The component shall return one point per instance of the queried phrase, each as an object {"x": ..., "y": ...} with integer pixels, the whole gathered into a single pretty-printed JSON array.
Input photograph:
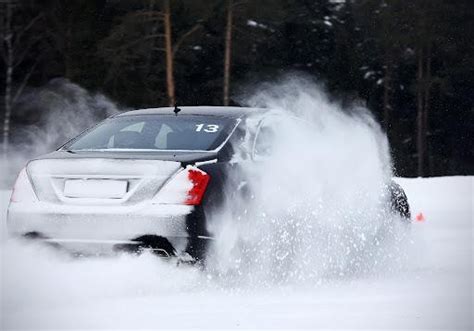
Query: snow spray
[{"x": 318, "y": 201}]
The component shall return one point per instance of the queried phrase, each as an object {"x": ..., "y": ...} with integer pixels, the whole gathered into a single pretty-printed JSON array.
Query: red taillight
[{"x": 199, "y": 179}]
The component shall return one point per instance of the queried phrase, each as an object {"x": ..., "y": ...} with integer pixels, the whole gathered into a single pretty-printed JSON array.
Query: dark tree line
[{"x": 412, "y": 62}]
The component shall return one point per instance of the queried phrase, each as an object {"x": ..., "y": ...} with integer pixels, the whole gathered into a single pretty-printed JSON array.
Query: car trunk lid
[{"x": 99, "y": 180}]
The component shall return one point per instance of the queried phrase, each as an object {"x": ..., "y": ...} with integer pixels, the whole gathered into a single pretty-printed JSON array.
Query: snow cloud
[
  {"x": 59, "y": 111},
  {"x": 318, "y": 205}
]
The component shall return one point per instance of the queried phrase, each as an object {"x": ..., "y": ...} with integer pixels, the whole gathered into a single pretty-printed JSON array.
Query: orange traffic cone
[{"x": 420, "y": 217}]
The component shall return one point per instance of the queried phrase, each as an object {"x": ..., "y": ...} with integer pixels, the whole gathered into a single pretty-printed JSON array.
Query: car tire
[{"x": 399, "y": 201}]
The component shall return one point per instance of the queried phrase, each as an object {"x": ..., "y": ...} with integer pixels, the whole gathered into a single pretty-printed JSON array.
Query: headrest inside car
[{"x": 128, "y": 139}]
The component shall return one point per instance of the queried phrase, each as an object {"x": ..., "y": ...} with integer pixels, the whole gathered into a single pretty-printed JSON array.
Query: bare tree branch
[
  {"x": 26, "y": 28},
  {"x": 19, "y": 91},
  {"x": 152, "y": 36},
  {"x": 3, "y": 54},
  {"x": 25, "y": 50},
  {"x": 184, "y": 36},
  {"x": 152, "y": 13},
  {"x": 239, "y": 3}
]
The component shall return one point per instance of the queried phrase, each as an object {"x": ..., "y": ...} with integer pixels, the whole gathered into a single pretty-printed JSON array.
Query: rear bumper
[{"x": 97, "y": 225}]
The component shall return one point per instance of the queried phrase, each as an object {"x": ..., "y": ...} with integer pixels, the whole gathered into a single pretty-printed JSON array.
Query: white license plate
[{"x": 95, "y": 188}]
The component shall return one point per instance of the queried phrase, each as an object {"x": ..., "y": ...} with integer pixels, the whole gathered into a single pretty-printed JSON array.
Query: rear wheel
[{"x": 399, "y": 202}]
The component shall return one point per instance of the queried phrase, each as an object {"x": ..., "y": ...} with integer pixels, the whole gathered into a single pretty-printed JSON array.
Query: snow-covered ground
[{"x": 433, "y": 288}]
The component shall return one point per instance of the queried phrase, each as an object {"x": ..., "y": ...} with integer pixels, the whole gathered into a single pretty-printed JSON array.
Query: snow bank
[{"x": 41, "y": 288}]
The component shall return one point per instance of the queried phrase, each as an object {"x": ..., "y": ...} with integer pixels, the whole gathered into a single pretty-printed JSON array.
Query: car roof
[{"x": 233, "y": 112}]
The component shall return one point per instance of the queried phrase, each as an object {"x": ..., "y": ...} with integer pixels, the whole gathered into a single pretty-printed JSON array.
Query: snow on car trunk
[{"x": 96, "y": 180}]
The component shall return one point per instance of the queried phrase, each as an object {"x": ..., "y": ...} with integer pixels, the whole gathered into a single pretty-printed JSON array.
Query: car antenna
[{"x": 176, "y": 109}]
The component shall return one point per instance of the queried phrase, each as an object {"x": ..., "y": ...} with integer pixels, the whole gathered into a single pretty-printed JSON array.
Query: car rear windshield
[{"x": 155, "y": 132}]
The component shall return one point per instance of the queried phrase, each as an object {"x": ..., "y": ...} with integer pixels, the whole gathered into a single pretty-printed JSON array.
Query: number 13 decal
[{"x": 211, "y": 128}]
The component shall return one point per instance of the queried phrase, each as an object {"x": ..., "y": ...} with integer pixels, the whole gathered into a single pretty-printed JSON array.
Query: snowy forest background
[{"x": 410, "y": 62}]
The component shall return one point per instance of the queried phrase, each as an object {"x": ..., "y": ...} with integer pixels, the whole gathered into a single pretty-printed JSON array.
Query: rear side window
[{"x": 156, "y": 132}]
